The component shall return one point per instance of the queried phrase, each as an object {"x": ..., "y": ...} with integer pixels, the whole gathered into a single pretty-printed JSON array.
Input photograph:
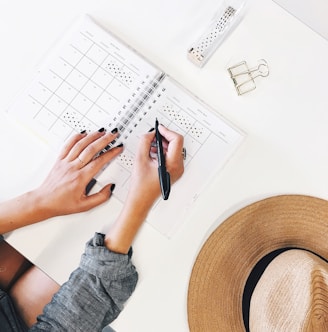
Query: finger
[
  {"x": 145, "y": 144},
  {"x": 98, "y": 198},
  {"x": 83, "y": 143},
  {"x": 175, "y": 142},
  {"x": 168, "y": 134},
  {"x": 93, "y": 167},
  {"x": 70, "y": 144},
  {"x": 99, "y": 145}
]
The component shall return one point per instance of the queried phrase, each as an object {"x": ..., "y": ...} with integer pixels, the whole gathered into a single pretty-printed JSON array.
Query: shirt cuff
[{"x": 103, "y": 263}]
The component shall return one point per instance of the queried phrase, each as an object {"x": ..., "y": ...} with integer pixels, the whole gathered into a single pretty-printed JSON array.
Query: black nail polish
[
  {"x": 120, "y": 145},
  {"x": 112, "y": 187},
  {"x": 90, "y": 186},
  {"x": 101, "y": 129},
  {"x": 114, "y": 131},
  {"x": 151, "y": 129},
  {"x": 83, "y": 132}
]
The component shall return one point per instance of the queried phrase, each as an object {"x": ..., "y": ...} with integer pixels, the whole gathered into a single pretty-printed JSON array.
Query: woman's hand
[
  {"x": 145, "y": 185},
  {"x": 64, "y": 189}
]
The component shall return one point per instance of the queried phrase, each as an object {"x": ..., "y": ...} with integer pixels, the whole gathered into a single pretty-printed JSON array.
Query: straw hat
[{"x": 246, "y": 275}]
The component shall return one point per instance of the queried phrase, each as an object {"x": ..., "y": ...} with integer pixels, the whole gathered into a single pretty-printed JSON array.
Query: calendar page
[
  {"x": 87, "y": 82},
  {"x": 93, "y": 80},
  {"x": 209, "y": 141}
]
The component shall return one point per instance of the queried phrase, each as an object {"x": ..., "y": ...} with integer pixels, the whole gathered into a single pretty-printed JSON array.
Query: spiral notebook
[{"x": 91, "y": 79}]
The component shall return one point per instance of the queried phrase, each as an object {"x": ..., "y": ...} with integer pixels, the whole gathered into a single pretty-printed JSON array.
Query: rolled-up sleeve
[{"x": 95, "y": 293}]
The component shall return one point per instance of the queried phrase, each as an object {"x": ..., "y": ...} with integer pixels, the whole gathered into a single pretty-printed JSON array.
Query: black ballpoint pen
[{"x": 164, "y": 176}]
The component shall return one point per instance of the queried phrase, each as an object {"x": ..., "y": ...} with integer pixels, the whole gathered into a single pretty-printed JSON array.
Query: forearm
[
  {"x": 145, "y": 187},
  {"x": 21, "y": 211},
  {"x": 122, "y": 233}
]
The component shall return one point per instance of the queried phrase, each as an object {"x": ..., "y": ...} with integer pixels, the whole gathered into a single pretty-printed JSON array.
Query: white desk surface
[{"x": 286, "y": 118}]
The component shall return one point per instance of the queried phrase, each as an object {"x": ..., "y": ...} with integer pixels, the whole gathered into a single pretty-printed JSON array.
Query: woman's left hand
[{"x": 63, "y": 191}]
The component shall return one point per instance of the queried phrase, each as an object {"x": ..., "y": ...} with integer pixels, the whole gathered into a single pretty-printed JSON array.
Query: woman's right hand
[{"x": 145, "y": 186}]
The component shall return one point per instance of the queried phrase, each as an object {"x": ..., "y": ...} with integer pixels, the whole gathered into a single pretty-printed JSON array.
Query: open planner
[{"x": 91, "y": 79}]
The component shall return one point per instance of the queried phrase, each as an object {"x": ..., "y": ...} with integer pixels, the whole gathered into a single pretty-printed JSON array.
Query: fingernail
[
  {"x": 90, "y": 186},
  {"x": 112, "y": 187},
  {"x": 114, "y": 131},
  {"x": 151, "y": 129},
  {"x": 120, "y": 145},
  {"x": 101, "y": 129},
  {"x": 83, "y": 132}
]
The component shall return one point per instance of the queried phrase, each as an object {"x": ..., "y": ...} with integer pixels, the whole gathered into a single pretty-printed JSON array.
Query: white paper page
[
  {"x": 91, "y": 80},
  {"x": 85, "y": 84},
  {"x": 209, "y": 141}
]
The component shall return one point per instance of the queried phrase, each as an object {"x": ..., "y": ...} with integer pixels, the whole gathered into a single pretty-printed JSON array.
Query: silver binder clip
[{"x": 244, "y": 77}]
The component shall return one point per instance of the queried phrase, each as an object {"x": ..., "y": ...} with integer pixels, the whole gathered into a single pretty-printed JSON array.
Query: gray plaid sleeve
[{"x": 95, "y": 293}]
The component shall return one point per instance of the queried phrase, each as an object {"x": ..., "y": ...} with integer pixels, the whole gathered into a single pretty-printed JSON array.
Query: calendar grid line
[
  {"x": 89, "y": 86},
  {"x": 117, "y": 58},
  {"x": 68, "y": 104}
]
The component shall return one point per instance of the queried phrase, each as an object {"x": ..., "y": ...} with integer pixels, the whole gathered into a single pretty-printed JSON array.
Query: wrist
[
  {"x": 40, "y": 205},
  {"x": 122, "y": 233},
  {"x": 21, "y": 211},
  {"x": 142, "y": 198}
]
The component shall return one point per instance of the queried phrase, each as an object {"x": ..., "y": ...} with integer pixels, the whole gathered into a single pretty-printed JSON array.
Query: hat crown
[{"x": 292, "y": 294}]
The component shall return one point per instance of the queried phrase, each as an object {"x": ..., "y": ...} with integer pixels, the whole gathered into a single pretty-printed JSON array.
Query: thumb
[
  {"x": 145, "y": 144},
  {"x": 100, "y": 197}
]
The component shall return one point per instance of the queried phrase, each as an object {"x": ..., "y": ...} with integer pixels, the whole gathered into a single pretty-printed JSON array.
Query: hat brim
[{"x": 228, "y": 256}]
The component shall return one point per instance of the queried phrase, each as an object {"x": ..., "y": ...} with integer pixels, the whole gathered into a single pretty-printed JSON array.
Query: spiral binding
[{"x": 134, "y": 109}]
